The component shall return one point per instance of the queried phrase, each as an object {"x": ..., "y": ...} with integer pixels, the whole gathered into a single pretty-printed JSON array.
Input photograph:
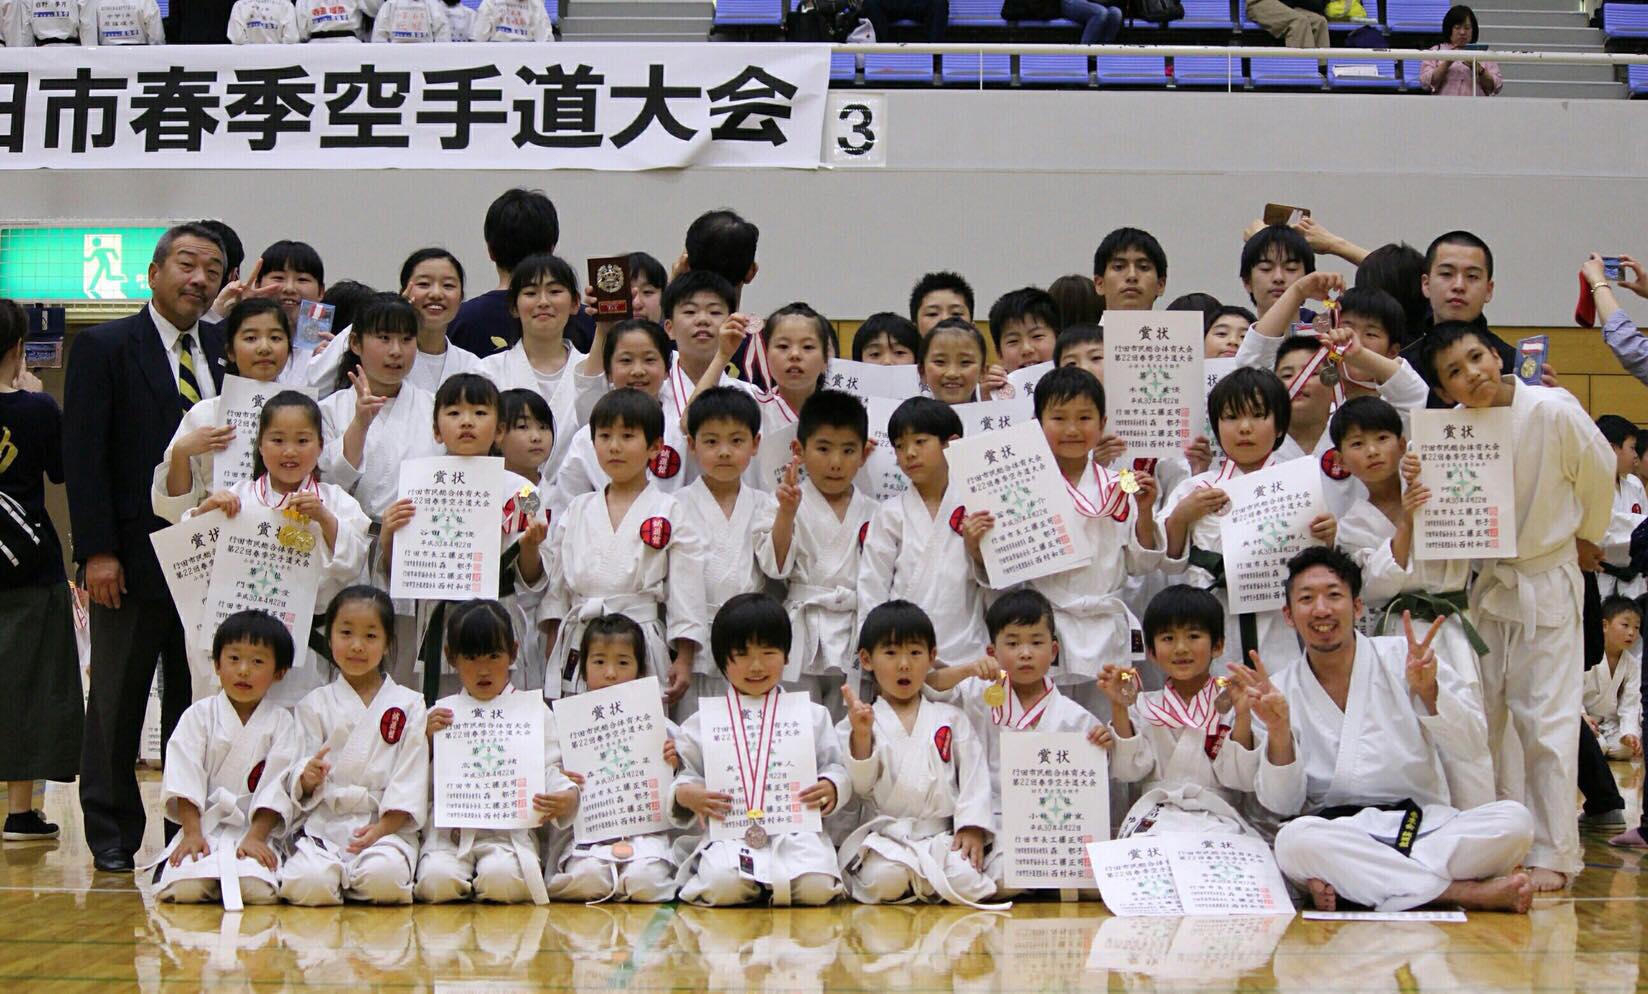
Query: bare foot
[
  {"x": 1322, "y": 895},
  {"x": 1546, "y": 880},
  {"x": 1629, "y": 840},
  {"x": 1514, "y": 893}
]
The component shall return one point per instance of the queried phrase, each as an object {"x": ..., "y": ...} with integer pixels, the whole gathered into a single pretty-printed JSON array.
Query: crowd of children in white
[{"x": 1403, "y": 732}]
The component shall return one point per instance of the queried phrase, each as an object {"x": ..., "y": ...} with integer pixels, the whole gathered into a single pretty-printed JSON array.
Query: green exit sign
[{"x": 100, "y": 262}]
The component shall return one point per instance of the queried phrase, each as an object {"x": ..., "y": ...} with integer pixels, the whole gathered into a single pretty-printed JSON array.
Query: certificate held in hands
[
  {"x": 609, "y": 275},
  {"x": 1012, "y": 475}
]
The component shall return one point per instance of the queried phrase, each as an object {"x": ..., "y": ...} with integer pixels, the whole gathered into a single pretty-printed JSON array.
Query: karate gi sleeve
[
  {"x": 1406, "y": 390},
  {"x": 542, "y": 30},
  {"x": 346, "y": 560},
  {"x": 555, "y": 778},
  {"x": 1134, "y": 757},
  {"x": 1588, "y": 462},
  {"x": 1616, "y": 542},
  {"x": 1142, "y": 561},
  {"x": 284, "y": 749},
  {"x": 553, "y": 605},
  {"x": 184, "y": 778},
  {"x": 312, "y": 735},
  {"x": 685, "y": 602},
  {"x": 572, "y": 480},
  {"x": 89, "y": 35},
  {"x": 1256, "y": 350},
  {"x": 237, "y": 36},
  {"x": 1630, "y": 697},
  {"x": 689, "y": 747},
  {"x": 974, "y": 805},
  {"x": 766, "y": 553},
  {"x": 1382, "y": 578},
  {"x": 442, "y": 30},
  {"x": 1455, "y": 729},
  {"x": 830, "y": 756},
  {"x": 164, "y": 504},
  {"x": 864, "y": 772},
  {"x": 333, "y": 466},
  {"x": 289, "y": 36},
  {"x": 878, "y": 559},
  {"x": 153, "y": 24},
  {"x": 486, "y": 19},
  {"x": 1281, "y": 789},
  {"x": 1235, "y": 767},
  {"x": 380, "y": 25},
  {"x": 408, "y": 788}
]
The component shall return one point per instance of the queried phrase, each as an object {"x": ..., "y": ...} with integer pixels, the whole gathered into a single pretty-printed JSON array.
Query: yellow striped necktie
[{"x": 188, "y": 388}]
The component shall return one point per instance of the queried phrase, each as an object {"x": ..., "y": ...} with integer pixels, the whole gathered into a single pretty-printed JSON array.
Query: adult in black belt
[{"x": 128, "y": 384}]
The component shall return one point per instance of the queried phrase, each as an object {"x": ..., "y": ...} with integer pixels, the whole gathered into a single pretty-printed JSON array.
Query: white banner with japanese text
[{"x": 522, "y": 106}]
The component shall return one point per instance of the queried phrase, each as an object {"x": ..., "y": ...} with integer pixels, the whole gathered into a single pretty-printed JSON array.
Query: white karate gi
[
  {"x": 596, "y": 569},
  {"x": 1183, "y": 789},
  {"x": 205, "y": 413},
  {"x": 1528, "y": 610},
  {"x": 380, "y": 762},
  {"x": 428, "y": 371},
  {"x": 912, "y": 555},
  {"x": 595, "y": 872},
  {"x": 403, "y": 429},
  {"x": 822, "y": 572},
  {"x": 1630, "y": 506},
  {"x": 730, "y": 566},
  {"x": 503, "y": 867},
  {"x": 36, "y": 21},
  {"x": 121, "y": 22},
  {"x": 228, "y": 770},
  {"x": 462, "y": 20},
  {"x": 334, "y": 20},
  {"x": 803, "y": 865},
  {"x": 511, "y": 370},
  {"x": 1613, "y": 696},
  {"x": 411, "y": 21},
  {"x": 341, "y": 566},
  {"x": 263, "y": 22},
  {"x": 512, "y": 20},
  {"x": 1382, "y": 749},
  {"x": 1365, "y": 533},
  {"x": 917, "y": 788}
]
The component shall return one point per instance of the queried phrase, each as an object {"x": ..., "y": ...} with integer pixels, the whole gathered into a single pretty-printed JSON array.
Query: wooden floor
[{"x": 65, "y": 928}]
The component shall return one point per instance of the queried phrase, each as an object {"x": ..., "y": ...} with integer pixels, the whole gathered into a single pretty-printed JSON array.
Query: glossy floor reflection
[{"x": 66, "y": 928}]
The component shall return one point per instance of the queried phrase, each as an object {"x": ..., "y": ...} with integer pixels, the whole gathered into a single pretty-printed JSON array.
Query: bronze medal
[{"x": 755, "y": 837}]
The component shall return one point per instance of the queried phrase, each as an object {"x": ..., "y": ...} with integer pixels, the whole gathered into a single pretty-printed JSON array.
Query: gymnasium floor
[{"x": 65, "y": 928}]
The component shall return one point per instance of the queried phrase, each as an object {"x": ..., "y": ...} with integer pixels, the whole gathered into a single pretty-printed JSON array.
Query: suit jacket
[{"x": 120, "y": 409}]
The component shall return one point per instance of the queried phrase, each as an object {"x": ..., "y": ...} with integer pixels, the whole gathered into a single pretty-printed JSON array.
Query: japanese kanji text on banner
[{"x": 552, "y": 106}]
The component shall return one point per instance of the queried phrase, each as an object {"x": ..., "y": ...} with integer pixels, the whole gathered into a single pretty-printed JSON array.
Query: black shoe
[
  {"x": 113, "y": 861},
  {"x": 28, "y": 826}
]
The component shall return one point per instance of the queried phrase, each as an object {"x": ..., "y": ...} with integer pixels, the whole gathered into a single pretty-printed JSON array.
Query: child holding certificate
[
  {"x": 764, "y": 818},
  {"x": 260, "y": 339},
  {"x": 361, "y": 794},
  {"x": 636, "y": 868},
  {"x": 920, "y": 767},
  {"x": 224, "y": 767},
  {"x": 489, "y": 864},
  {"x": 528, "y": 438}
]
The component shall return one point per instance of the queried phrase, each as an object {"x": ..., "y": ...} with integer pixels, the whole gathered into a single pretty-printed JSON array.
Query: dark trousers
[
  {"x": 125, "y": 647},
  {"x": 1596, "y": 780},
  {"x": 882, "y": 13}
]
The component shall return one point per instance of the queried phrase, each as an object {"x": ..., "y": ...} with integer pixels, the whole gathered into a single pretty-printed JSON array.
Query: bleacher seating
[
  {"x": 1286, "y": 74},
  {"x": 1351, "y": 74},
  {"x": 1056, "y": 70},
  {"x": 1210, "y": 71},
  {"x": 1131, "y": 70},
  {"x": 972, "y": 70},
  {"x": 749, "y": 13},
  {"x": 976, "y": 14},
  {"x": 1625, "y": 20},
  {"x": 1636, "y": 80},
  {"x": 1200, "y": 15},
  {"x": 1422, "y": 17},
  {"x": 898, "y": 69}
]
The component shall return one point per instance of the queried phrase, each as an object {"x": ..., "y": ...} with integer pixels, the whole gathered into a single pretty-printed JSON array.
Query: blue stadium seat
[
  {"x": 1625, "y": 20},
  {"x": 1057, "y": 69},
  {"x": 976, "y": 14},
  {"x": 1131, "y": 70},
  {"x": 1286, "y": 74},
  {"x": 843, "y": 68},
  {"x": 971, "y": 69},
  {"x": 1200, "y": 15},
  {"x": 1388, "y": 79},
  {"x": 898, "y": 68},
  {"x": 1416, "y": 16},
  {"x": 1242, "y": 21},
  {"x": 1410, "y": 75},
  {"x": 749, "y": 13},
  {"x": 1345, "y": 27},
  {"x": 1636, "y": 79},
  {"x": 1209, "y": 70}
]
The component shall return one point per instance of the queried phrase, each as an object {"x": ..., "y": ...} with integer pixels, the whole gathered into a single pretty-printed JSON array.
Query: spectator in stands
[
  {"x": 1295, "y": 23},
  {"x": 1130, "y": 270},
  {"x": 1399, "y": 269},
  {"x": 1078, "y": 299},
  {"x": 935, "y": 14},
  {"x": 1460, "y": 79},
  {"x": 121, "y": 22},
  {"x": 1101, "y": 23},
  {"x": 1630, "y": 347}
]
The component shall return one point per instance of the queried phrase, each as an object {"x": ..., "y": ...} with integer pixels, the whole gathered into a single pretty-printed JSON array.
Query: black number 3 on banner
[
  {"x": 857, "y": 126},
  {"x": 859, "y": 120}
]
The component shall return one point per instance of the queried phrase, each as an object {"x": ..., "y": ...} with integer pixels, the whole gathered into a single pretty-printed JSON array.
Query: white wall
[{"x": 1007, "y": 187}]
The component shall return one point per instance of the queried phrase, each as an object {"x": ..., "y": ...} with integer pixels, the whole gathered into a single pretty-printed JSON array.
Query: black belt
[
  {"x": 334, "y": 33},
  {"x": 41, "y": 42},
  {"x": 1212, "y": 562},
  {"x": 1406, "y": 836},
  {"x": 1624, "y": 574}
]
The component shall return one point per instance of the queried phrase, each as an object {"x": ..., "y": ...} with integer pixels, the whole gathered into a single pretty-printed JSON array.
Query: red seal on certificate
[
  {"x": 392, "y": 725},
  {"x": 1333, "y": 468},
  {"x": 863, "y": 533},
  {"x": 666, "y": 463},
  {"x": 255, "y": 776},
  {"x": 656, "y": 532},
  {"x": 956, "y": 518},
  {"x": 941, "y": 741}
]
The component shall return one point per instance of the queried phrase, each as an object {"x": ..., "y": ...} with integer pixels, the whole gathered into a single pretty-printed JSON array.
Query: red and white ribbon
[
  {"x": 680, "y": 388},
  {"x": 1174, "y": 711},
  {"x": 752, "y": 782},
  {"x": 1112, "y": 498},
  {"x": 261, "y": 489},
  {"x": 1024, "y": 717}
]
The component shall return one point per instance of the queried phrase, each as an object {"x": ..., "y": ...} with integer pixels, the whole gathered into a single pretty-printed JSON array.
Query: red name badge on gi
[
  {"x": 610, "y": 278},
  {"x": 1530, "y": 358}
]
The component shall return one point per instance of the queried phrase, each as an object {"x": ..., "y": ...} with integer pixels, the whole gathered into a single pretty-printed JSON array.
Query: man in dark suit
[{"x": 128, "y": 383}]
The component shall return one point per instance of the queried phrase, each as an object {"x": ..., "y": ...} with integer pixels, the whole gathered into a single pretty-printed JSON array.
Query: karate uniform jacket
[
  {"x": 1061, "y": 714},
  {"x": 730, "y": 562},
  {"x": 822, "y": 572},
  {"x": 1613, "y": 696},
  {"x": 121, "y": 22},
  {"x": 511, "y": 370},
  {"x": 1630, "y": 507},
  {"x": 411, "y": 21},
  {"x": 911, "y": 555},
  {"x": 512, "y": 20},
  {"x": 1178, "y": 744},
  {"x": 265, "y": 22},
  {"x": 428, "y": 371},
  {"x": 403, "y": 429}
]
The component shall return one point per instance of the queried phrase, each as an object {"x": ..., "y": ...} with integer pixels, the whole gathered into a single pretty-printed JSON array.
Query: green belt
[
  {"x": 1427, "y": 606},
  {"x": 1212, "y": 562},
  {"x": 429, "y": 650},
  {"x": 1624, "y": 574}
]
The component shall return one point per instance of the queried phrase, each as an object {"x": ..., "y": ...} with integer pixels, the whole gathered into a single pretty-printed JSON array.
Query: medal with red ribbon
[
  {"x": 1112, "y": 495},
  {"x": 1015, "y": 716},
  {"x": 752, "y": 768}
]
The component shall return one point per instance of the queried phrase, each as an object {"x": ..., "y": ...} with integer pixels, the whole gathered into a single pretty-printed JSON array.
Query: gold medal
[
  {"x": 1129, "y": 482},
  {"x": 1221, "y": 682},
  {"x": 1126, "y": 676},
  {"x": 756, "y": 814},
  {"x": 295, "y": 534},
  {"x": 995, "y": 695}
]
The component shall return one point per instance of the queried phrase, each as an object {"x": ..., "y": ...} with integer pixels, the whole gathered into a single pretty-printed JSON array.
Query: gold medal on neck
[
  {"x": 295, "y": 534},
  {"x": 1129, "y": 482},
  {"x": 995, "y": 695}
]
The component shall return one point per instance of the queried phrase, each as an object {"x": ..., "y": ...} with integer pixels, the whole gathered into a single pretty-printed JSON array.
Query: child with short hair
[
  {"x": 886, "y": 339},
  {"x": 914, "y": 550},
  {"x": 1377, "y": 532},
  {"x": 362, "y": 789},
  {"x": 1024, "y": 646},
  {"x": 750, "y": 640},
  {"x": 818, "y": 533},
  {"x": 1081, "y": 345},
  {"x": 528, "y": 436},
  {"x": 224, "y": 767},
  {"x": 1528, "y": 608},
  {"x": 639, "y": 868},
  {"x": 723, "y": 436},
  {"x": 625, "y": 549},
  {"x": 921, "y": 770},
  {"x": 1629, "y": 509},
  {"x": 937, "y": 297},
  {"x": 543, "y": 297},
  {"x": 1191, "y": 743},
  {"x": 1222, "y": 337},
  {"x": 1024, "y": 324},
  {"x": 1613, "y": 689},
  {"x": 496, "y": 865}
]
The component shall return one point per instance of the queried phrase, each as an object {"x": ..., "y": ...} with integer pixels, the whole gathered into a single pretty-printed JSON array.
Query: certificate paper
[
  {"x": 242, "y": 407},
  {"x": 489, "y": 762},
  {"x": 1187, "y": 874},
  {"x": 1154, "y": 387},
  {"x": 996, "y": 415},
  {"x": 615, "y": 738},
  {"x": 1024, "y": 379},
  {"x": 792, "y": 766},
  {"x": 253, "y": 571},
  {"x": 868, "y": 380},
  {"x": 1465, "y": 461},
  {"x": 1268, "y": 523},
  {"x": 185, "y": 552},
  {"x": 880, "y": 478},
  {"x": 1055, "y": 799},
  {"x": 1012, "y": 475},
  {"x": 451, "y": 548}
]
